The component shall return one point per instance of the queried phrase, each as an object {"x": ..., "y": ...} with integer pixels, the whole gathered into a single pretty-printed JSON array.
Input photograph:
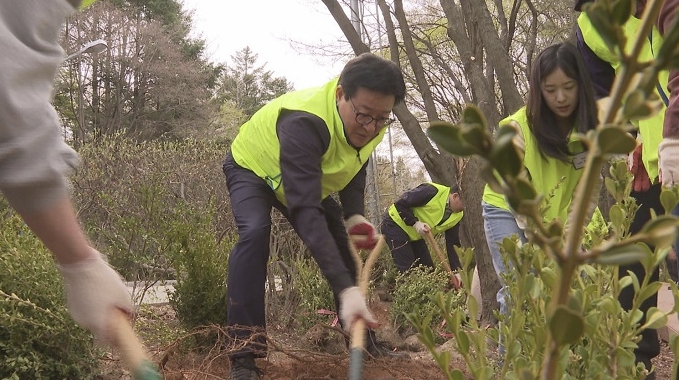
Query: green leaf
[
  {"x": 449, "y": 138},
  {"x": 608, "y": 305},
  {"x": 674, "y": 342},
  {"x": 601, "y": 20},
  {"x": 548, "y": 276},
  {"x": 648, "y": 291},
  {"x": 566, "y": 325},
  {"x": 655, "y": 319},
  {"x": 625, "y": 282},
  {"x": 668, "y": 199},
  {"x": 473, "y": 115},
  {"x": 574, "y": 303},
  {"x": 661, "y": 231},
  {"x": 638, "y": 106},
  {"x": 456, "y": 374},
  {"x": 610, "y": 185},
  {"x": 525, "y": 189},
  {"x": 621, "y": 255},
  {"x": 617, "y": 215},
  {"x": 477, "y": 137},
  {"x": 505, "y": 158},
  {"x": 621, "y": 11},
  {"x": 462, "y": 342},
  {"x": 615, "y": 140}
]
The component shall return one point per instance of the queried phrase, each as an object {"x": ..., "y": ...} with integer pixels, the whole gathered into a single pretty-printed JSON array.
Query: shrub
[
  {"x": 129, "y": 195},
  {"x": 314, "y": 292},
  {"x": 415, "y": 290},
  {"x": 201, "y": 263},
  {"x": 38, "y": 338}
]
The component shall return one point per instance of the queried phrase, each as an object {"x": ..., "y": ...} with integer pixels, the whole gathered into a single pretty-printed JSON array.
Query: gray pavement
[
  {"x": 665, "y": 303},
  {"x": 144, "y": 293}
]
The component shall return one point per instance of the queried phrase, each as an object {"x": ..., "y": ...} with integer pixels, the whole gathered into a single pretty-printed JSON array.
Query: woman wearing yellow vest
[
  {"x": 559, "y": 103},
  {"x": 35, "y": 161},
  {"x": 644, "y": 162},
  {"x": 428, "y": 208},
  {"x": 292, "y": 155}
]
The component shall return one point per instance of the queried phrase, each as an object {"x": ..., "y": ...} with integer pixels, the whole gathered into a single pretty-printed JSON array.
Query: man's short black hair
[
  {"x": 580, "y": 3},
  {"x": 374, "y": 73}
]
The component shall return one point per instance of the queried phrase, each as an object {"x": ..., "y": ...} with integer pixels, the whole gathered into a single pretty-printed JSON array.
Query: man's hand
[
  {"x": 353, "y": 307},
  {"x": 641, "y": 181},
  {"x": 94, "y": 290},
  {"x": 421, "y": 228},
  {"x": 358, "y": 225},
  {"x": 668, "y": 161}
]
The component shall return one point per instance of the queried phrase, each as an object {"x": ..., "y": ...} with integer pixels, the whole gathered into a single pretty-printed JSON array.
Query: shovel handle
[
  {"x": 444, "y": 260},
  {"x": 358, "y": 327},
  {"x": 131, "y": 349}
]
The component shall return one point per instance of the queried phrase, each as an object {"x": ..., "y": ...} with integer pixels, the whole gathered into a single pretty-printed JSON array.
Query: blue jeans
[{"x": 499, "y": 224}]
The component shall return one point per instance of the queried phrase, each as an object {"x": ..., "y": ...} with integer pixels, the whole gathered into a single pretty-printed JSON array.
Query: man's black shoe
[{"x": 244, "y": 368}]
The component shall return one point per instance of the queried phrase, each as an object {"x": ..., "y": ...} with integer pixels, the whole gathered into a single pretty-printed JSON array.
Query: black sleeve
[
  {"x": 452, "y": 240},
  {"x": 352, "y": 196},
  {"x": 416, "y": 197},
  {"x": 304, "y": 138},
  {"x": 600, "y": 71}
]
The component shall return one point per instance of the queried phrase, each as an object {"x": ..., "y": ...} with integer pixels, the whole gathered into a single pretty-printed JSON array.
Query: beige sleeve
[{"x": 34, "y": 159}]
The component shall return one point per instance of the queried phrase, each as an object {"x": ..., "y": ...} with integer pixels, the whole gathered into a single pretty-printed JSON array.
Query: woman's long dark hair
[{"x": 552, "y": 141}]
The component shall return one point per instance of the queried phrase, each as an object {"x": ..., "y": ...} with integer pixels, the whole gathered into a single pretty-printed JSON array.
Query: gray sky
[{"x": 266, "y": 26}]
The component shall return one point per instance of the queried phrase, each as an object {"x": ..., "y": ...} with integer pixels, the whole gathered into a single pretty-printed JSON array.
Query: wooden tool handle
[
  {"x": 444, "y": 260},
  {"x": 131, "y": 349}
]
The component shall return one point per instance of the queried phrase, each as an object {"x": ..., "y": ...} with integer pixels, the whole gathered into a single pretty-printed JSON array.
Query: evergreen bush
[{"x": 38, "y": 338}]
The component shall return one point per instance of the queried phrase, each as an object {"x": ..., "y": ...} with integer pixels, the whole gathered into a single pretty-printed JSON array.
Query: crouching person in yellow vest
[
  {"x": 428, "y": 208},
  {"x": 293, "y": 154}
]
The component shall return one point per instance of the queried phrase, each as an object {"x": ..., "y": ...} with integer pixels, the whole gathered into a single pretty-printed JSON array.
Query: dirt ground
[{"x": 320, "y": 354}]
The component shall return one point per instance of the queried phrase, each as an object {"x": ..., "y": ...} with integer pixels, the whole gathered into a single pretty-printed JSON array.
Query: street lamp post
[{"x": 92, "y": 47}]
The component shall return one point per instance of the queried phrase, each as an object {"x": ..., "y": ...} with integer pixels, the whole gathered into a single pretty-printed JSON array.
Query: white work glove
[
  {"x": 358, "y": 225},
  {"x": 94, "y": 290},
  {"x": 668, "y": 161},
  {"x": 421, "y": 228},
  {"x": 353, "y": 307}
]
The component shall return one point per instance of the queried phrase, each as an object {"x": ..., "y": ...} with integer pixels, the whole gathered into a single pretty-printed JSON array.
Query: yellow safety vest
[
  {"x": 256, "y": 147},
  {"x": 546, "y": 173},
  {"x": 86, "y": 3},
  {"x": 432, "y": 213},
  {"x": 651, "y": 128}
]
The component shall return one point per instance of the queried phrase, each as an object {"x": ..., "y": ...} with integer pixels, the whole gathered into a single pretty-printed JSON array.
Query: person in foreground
[
  {"x": 655, "y": 161},
  {"x": 428, "y": 208},
  {"x": 560, "y": 103},
  {"x": 34, "y": 160},
  {"x": 293, "y": 154}
]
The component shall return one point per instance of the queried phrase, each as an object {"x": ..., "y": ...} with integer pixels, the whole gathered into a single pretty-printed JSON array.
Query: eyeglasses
[{"x": 365, "y": 119}]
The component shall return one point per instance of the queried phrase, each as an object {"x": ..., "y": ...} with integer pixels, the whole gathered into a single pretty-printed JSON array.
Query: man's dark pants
[
  {"x": 406, "y": 253},
  {"x": 649, "y": 346},
  {"x": 251, "y": 201}
]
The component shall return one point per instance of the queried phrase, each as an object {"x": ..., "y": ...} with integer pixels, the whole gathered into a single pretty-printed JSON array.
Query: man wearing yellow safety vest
[
  {"x": 35, "y": 160},
  {"x": 644, "y": 161},
  {"x": 428, "y": 208},
  {"x": 293, "y": 154}
]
